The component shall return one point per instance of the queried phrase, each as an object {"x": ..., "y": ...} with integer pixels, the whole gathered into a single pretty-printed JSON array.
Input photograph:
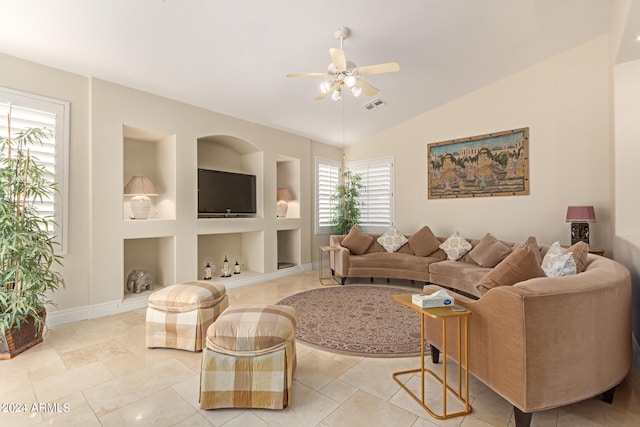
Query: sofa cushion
[
  {"x": 357, "y": 241},
  {"x": 423, "y": 242},
  {"x": 558, "y": 263},
  {"x": 396, "y": 260},
  {"x": 580, "y": 251},
  {"x": 455, "y": 246},
  {"x": 457, "y": 275},
  {"x": 533, "y": 243},
  {"x": 489, "y": 251},
  {"x": 519, "y": 266},
  {"x": 392, "y": 240}
]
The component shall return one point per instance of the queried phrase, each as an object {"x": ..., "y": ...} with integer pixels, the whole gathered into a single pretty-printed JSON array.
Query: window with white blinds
[
  {"x": 327, "y": 179},
  {"x": 33, "y": 111},
  {"x": 376, "y": 198}
]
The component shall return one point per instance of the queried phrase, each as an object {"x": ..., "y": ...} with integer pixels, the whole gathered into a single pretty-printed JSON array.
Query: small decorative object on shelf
[
  {"x": 207, "y": 271},
  {"x": 226, "y": 272},
  {"x": 139, "y": 280},
  {"x": 236, "y": 268}
]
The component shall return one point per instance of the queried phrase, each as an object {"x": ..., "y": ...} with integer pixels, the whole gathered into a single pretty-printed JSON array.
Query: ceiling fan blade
[
  {"x": 387, "y": 67},
  {"x": 338, "y": 58},
  {"x": 295, "y": 75},
  {"x": 366, "y": 87}
]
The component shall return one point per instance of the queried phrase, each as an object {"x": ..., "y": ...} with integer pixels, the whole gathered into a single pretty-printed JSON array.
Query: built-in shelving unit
[{"x": 151, "y": 244}]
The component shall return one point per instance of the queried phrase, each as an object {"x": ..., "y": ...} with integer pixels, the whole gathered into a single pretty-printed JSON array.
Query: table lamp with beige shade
[
  {"x": 284, "y": 196},
  {"x": 140, "y": 187}
]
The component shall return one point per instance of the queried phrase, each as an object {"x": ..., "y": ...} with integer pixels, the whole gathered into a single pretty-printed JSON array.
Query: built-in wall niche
[
  {"x": 288, "y": 248},
  {"x": 247, "y": 247},
  {"x": 288, "y": 187},
  {"x": 153, "y": 255},
  {"x": 232, "y": 154},
  {"x": 150, "y": 154}
]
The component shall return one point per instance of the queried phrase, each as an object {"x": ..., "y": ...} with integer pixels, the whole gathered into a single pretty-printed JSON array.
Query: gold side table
[
  {"x": 442, "y": 313},
  {"x": 327, "y": 280}
]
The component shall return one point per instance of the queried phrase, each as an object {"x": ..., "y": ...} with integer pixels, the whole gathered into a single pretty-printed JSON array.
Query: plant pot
[{"x": 15, "y": 341}]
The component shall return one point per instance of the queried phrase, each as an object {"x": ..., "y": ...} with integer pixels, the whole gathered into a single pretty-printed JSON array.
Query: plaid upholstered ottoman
[
  {"x": 178, "y": 316},
  {"x": 249, "y": 358}
]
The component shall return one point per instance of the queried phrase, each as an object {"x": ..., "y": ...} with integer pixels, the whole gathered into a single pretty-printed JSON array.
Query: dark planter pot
[{"x": 15, "y": 341}]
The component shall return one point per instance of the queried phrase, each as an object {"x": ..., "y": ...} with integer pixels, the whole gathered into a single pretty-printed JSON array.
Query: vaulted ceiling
[{"x": 232, "y": 56}]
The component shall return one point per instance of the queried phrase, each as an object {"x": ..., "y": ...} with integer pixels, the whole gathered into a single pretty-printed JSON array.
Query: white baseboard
[{"x": 75, "y": 314}]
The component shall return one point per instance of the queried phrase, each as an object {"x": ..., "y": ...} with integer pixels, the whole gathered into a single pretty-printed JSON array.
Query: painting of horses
[{"x": 495, "y": 164}]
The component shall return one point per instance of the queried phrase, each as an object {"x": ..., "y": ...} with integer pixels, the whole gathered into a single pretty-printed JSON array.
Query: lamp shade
[
  {"x": 140, "y": 186},
  {"x": 581, "y": 214},
  {"x": 284, "y": 194}
]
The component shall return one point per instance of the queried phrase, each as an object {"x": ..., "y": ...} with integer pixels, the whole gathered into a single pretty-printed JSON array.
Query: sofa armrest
[{"x": 339, "y": 259}]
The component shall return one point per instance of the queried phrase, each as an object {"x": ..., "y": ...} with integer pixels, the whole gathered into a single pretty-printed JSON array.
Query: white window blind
[
  {"x": 327, "y": 179},
  {"x": 32, "y": 111},
  {"x": 376, "y": 198}
]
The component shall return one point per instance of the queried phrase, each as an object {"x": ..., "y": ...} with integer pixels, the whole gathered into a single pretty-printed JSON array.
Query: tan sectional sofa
[{"x": 541, "y": 342}]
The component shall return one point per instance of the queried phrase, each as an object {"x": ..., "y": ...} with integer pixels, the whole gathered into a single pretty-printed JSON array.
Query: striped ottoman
[
  {"x": 249, "y": 358},
  {"x": 178, "y": 316}
]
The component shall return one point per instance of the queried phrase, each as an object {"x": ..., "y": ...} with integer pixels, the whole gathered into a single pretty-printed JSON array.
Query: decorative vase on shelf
[
  {"x": 226, "y": 272},
  {"x": 236, "y": 268},
  {"x": 207, "y": 271}
]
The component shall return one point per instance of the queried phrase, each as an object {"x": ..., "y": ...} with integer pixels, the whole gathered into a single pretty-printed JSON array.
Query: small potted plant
[
  {"x": 346, "y": 212},
  {"x": 27, "y": 251}
]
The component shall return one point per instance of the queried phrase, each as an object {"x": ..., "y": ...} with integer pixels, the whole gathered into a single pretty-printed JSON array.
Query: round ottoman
[
  {"x": 178, "y": 316},
  {"x": 249, "y": 358}
]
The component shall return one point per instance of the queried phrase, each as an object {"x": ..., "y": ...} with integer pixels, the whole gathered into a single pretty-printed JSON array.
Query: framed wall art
[{"x": 495, "y": 164}]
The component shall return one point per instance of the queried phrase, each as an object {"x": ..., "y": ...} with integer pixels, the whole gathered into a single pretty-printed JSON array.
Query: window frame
[
  {"x": 61, "y": 178},
  {"x": 325, "y": 228},
  {"x": 357, "y": 166}
]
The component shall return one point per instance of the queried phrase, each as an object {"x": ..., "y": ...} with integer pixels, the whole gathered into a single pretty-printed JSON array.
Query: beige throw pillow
[
  {"x": 533, "y": 243},
  {"x": 580, "y": 251},
  {"x": 455, "y": 246},
  {"x": 357, "y": 241},
  {"x": 391, "y": 240},
  {"x": 519, "y": 266},
  {"x": 423, "y": 242},
  {"x": 489, "y": 251}
]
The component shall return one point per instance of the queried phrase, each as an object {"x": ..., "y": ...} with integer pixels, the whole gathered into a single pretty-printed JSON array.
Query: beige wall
[
  {"x": 37, "y": 79},
  {"x": 565, "y": 102}
]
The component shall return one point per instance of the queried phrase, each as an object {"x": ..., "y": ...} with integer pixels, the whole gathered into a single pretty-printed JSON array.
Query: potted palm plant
[
  {"x": 346, "y": 212},
  {"x": 27, "y": 250}
]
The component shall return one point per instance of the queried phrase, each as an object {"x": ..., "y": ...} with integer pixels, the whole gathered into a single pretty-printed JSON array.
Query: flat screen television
[{"x": 225, "y": 193}]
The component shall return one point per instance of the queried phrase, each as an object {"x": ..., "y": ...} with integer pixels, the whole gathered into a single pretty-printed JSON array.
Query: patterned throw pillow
[
  {"x": 557, "y": 263},
  {"x": 392, "y": 240},
  {"x": 455, "y": 246}
]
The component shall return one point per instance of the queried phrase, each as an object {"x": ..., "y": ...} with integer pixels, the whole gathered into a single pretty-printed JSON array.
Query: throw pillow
[
  {"x": 533, "y": 244},
  {"x": 423, "y": 242},
  {"x": 455, "y": 246},
  {"x": 580, "y": 251},
  {"x": 557, "y": 263},
  {"x": 519, "y": 266},
  {"x": 392, "y": 239},
  {"x": 357, "y": 241},
  {"x": 489, "y": 251}
]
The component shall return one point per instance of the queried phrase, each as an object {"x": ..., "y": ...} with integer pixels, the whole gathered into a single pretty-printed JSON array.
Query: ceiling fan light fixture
[
  {"x": 325, "y": 87},
  {"x": 356, "y": 91},
  {"x": 336, "y": 95},
  {"x": 350, "y": 81}
]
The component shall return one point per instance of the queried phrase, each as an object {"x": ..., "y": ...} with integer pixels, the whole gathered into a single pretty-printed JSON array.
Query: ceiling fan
[{"x": 341, "y": 72}]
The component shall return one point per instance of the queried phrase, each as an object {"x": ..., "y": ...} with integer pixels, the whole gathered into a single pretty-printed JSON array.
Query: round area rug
[{"x": 357, "y": 320}]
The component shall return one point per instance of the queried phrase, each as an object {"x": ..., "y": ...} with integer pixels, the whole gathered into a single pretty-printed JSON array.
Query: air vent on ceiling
[{"x": 375, "y": 104}]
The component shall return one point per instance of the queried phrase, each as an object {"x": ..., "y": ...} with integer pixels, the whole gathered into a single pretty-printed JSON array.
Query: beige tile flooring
[{"x": 98, "y": 372}]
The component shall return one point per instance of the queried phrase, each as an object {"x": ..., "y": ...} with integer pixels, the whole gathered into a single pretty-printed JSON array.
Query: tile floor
[{"x": 98, "y": 372}]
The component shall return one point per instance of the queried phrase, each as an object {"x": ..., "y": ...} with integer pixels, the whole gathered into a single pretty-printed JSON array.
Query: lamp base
[
  {"x": 579, "y": 232},
  {"x": 140, "y": 207},
  {"x": 281, "y": 209}
]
